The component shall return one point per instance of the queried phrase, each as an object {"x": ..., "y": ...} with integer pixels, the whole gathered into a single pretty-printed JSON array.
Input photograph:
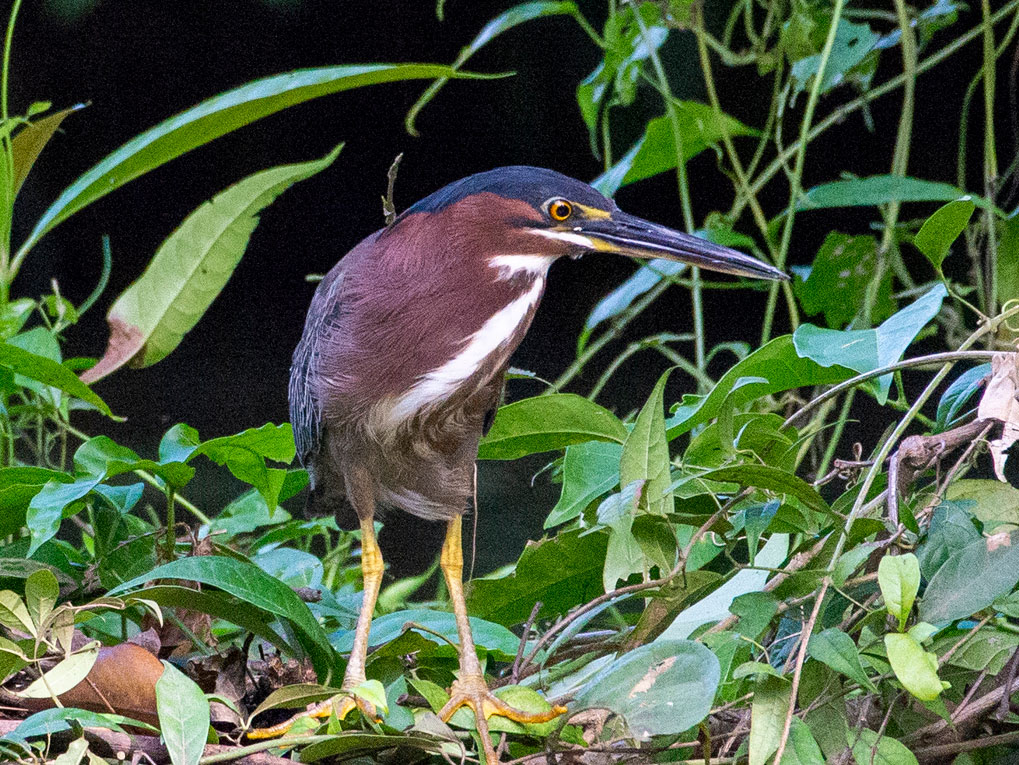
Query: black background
[{"x": 139, "y": 62}]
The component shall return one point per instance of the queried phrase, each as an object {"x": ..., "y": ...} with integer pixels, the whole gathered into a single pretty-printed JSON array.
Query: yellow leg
[
  {"x": 372, "y": 568},
  {"x": 470, "y": 688}
]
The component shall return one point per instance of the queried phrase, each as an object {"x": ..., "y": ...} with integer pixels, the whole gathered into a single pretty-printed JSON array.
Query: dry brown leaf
[
  {"x": 123, "y": 680},
  {"x": 1000, "y": 402}
]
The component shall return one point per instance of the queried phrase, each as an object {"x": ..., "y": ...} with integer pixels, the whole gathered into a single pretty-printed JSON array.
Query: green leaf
[
  {"x": 244, "y": 454},
  {"x": 972, "y": 579},
  {"x": 30, "y": 141},
  {"x": 839, "y": 279},
  {"x": 991, "y": 502},
  {"x": 46, "y": 510},
  {"x": 252, "y": 585},
  {"x": 655, "y": 152},
  {"x": 589, "y": 470},
  {"x": 101, "y": 457},
  {"x": 547, "y": 423},
  {"x": 898, "y": 576},
  {"x": 64, "y": 676},
  {"x": 1007, "y": 281},
  {"x": 836, "y": 649},
  {"x": 881, "y": 189},
  {"x": 851, "y": 45},
  {"x": 50, "y": 372},
  {"x": 937, "y": 234},
  {"x": 504, "y": 22},
  {"x": 561, "y": 572},
  {"x": 645, "y": 454},
  {"x": 50, "y": 721},
  {"x": 868, "y": 349},
  {"x": 493, "y": 638},
  {"x": 658, "y": 689},
  {"x": 771, "y": 478},
  {"x": 802, "y": 748},
  {"x": 776, "y": 361},
  {"x": 890, "y": 751},
  {"x": 215, "y": 117},
  {"x": 190, "y": 268},
  {"x": 767, "y": 718},
  {"x": 183, "y": 716},
  {"x": 41, "y": 594},
  {"x": 14, "y": 614},
  {"x": 915, "y": 668},
  {"x": 344, "y": 745},
  {"x": 955, "y": 397},
  {"x": 950, "y": 531}
]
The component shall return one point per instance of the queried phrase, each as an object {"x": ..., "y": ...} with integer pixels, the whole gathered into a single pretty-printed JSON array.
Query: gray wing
[{"x": 305, "y": 409}]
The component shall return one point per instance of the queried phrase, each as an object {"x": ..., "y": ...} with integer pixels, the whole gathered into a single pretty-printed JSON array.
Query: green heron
[{"x": 403, "y": 359}]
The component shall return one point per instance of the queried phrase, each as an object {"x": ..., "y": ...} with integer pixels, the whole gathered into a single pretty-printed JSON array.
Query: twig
[{"x": 388, "y": 205}]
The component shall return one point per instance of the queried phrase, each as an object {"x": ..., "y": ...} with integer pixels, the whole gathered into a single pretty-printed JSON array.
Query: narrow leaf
[
  {"x": 215, "y": 117},
  {"x": 30, "y": 141},
  {"x": 646, "y": 453},
  {"x": 191, "y": 267}
]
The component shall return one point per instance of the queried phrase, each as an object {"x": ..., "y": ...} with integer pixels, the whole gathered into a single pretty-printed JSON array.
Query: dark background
[{"x": 139, "y": 62}]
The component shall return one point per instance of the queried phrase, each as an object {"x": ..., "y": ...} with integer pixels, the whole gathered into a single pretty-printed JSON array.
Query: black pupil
[{"x": 560, "y": 210}]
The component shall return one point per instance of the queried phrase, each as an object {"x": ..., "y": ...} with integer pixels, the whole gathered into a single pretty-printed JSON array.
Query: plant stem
[
  {"x": 796, "y": 182},
  {"x": 990, "y": 162},
  {"x": 672, "y": 110},
  {"x": 171, "y": 524}
]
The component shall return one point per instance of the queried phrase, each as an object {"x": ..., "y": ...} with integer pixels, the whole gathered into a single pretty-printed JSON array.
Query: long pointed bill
[{"x": 625, "y": 234}]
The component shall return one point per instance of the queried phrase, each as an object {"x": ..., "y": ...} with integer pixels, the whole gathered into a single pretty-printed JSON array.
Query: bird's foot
[
  {"x": 342, "y": 703},
  {"x": 472, "y": 691}
]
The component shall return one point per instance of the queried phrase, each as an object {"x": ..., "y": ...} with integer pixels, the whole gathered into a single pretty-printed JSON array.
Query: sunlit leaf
[
  {"x": 915, "y": 668},
  {"x": 547, "y": 423},
  {"x": 64, "y": 676},
  {"x": 889, "y": 751},
  {"x": 214, "y": 117},
  {"x": 899, "y": 579},
  {"x": 190, "y": 268}
]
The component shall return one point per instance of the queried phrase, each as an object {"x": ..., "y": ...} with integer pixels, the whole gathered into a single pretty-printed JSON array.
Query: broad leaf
[
  {"x": 589, "y": 470},
  {"x": 547, "y": 423},
  {"x": 915, "y": 668},
  {"x": 868, "y": 349},
  {"x": 183, "y": 716},
  {"x": 890, "y": 751},
  {"x": 777, "y": 362},
  {"x": 658, "y": 689},
  {"x": 64, "y": 676},
  {"x": 30, "y": 141},
  {"x": 215, "y": 117},
  {"x": 655, "y": 151},
  {"x": 839, "y": 279},
  {"x": 936, "y": 235},
  {"x": 898, "y": 576},
  {"x": 561, "y": 572},
  {"x": 851, "y": 45},
  {"x": 955, "y": 397},
  {"x": 972, "y": 579},
  {"x": 772, "y": 479},
  {"x": 881, "y": 189},
  {"x": 767, "y": 718},
  {"x": 190, "y": 268},
  {"x": 645, "y": 455},
  {"x": 836, "y": 649}
]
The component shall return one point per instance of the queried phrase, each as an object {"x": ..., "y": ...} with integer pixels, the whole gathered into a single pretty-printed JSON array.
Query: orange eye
[{"x": 560, "y": 209}]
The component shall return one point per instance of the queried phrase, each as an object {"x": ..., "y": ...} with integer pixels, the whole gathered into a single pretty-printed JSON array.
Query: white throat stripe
[
  {"x": 511, "y": 265},
  {"x": 437, "y": 385}
]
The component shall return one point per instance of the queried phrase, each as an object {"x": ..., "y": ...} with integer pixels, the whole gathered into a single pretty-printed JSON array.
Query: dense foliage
[{"x": 725, "y": 578}]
